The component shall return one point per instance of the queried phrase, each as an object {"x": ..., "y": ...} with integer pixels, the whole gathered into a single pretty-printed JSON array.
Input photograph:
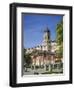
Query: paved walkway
[{"x": 36, "y": 71}]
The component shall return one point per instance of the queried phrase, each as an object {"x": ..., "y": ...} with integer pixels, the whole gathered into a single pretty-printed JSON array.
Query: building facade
[{"x": 45, "y": 54}]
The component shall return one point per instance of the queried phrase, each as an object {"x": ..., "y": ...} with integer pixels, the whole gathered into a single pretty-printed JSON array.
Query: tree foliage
[
  {"x": 27, "y": 59},
  {"x": 59, "y": 38}
]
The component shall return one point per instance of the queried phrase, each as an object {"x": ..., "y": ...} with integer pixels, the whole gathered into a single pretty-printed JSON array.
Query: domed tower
[{"x": 46, "y": 39}]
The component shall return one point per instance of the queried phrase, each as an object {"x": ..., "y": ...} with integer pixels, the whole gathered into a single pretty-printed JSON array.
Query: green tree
[
  {"x": 27, "y": 59},
  {"x": 59, "y": 38}
]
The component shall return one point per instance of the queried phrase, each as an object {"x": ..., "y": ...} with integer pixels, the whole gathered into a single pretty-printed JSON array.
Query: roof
[{"x": 46, "y": 30}]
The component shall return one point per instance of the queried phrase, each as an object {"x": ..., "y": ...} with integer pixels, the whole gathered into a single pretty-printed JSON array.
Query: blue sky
[{"x": 34, "y": 25}]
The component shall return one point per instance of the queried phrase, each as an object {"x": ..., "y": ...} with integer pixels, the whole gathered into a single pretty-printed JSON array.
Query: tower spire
[{"x": 46, "y": 38}]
